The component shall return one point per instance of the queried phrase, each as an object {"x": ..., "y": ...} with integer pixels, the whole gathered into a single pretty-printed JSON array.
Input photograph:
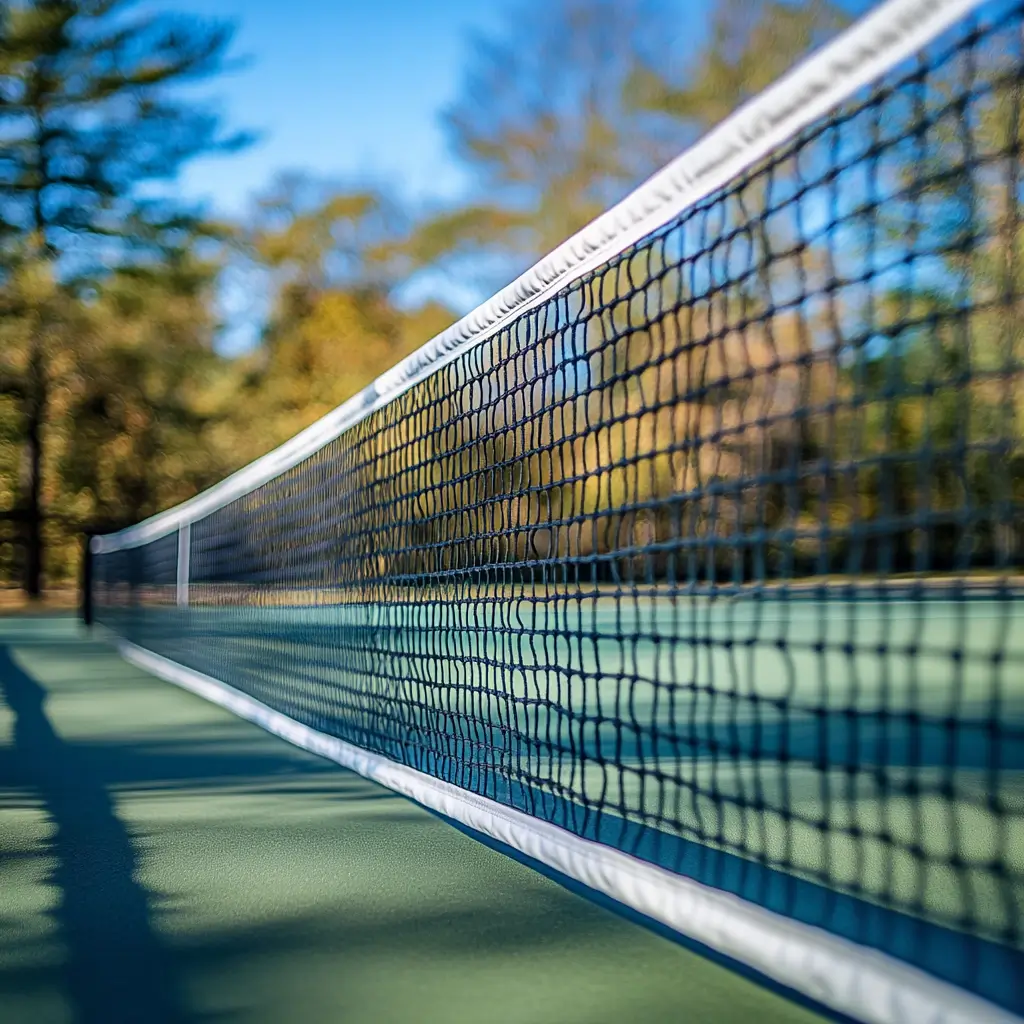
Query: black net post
[{"x": 85, "y": 597}]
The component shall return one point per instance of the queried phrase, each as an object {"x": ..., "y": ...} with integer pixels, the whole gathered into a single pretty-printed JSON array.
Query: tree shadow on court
[
  {"x": 320, "y": 896},
  {"x": 116, "y": 968}
]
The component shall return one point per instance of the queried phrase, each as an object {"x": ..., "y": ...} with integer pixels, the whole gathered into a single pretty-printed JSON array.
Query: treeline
[
  {"x": 816, "y": 372},
  {"x": 117, "y": 398}
]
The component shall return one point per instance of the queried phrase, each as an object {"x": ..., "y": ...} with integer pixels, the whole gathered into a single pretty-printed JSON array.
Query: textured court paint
[{"x": 280, "y": 887}]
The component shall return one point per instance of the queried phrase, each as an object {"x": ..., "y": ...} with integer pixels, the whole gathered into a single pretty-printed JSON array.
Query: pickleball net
[{"x": 689, "y": 566}]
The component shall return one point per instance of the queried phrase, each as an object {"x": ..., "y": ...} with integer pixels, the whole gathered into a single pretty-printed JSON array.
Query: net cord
[{"x": 881, "y": 39}]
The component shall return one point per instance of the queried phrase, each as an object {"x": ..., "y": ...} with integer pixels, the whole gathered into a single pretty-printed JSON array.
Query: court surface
[
  {"x": 161, "y": 860},
  {"x": 814, "y": 734}
]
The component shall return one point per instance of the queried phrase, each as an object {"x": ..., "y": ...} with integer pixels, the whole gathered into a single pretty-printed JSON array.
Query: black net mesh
[{"x": 716, "y": 555}]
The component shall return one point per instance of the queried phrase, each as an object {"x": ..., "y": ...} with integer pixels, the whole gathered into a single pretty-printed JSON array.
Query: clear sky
[{"x": 345, "y": 88}]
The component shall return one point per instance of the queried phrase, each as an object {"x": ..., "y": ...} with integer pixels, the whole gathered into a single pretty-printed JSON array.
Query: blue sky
[{"x": 350, "y": 89}]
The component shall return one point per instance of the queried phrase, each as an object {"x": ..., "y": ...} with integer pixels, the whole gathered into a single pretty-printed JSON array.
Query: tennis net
[{"x": 689, "y": 567}]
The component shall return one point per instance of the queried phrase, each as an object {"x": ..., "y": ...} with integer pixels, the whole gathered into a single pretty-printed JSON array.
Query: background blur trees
[
  {"x": 575, "y": 102},
  {"x": 117, "y": 398},
  {"x": 545, "y": 128},
  {"x": 749, "y": 44},
  {"x": 335, "y": 260},
  {"x": 88, "y": 118}
]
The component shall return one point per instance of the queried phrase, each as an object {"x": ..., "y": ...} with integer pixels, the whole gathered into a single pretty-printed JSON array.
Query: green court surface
[
  {"x": 812, "y": 735},
  {"x": 163, "y": 861}
]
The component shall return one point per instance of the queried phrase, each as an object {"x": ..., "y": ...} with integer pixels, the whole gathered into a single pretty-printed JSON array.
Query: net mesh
[{"x": 715, "y": 556}]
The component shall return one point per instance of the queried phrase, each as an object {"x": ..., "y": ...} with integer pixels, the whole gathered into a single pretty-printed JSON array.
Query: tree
[
  {"x": 544, "y": 129},
  {"x": 751, "y": 44},
  {"x": 148, "y": 391},
  {"x": 332, "y": 263},
  {"x": 88, "y": 121},
  {"x": 942, "y": 371},
  {"x": 574, "y": 102},
  {"x": 314, "y": 234},
  {"x": 335, "y": 260},
  {"x": 554, "y": 131}
]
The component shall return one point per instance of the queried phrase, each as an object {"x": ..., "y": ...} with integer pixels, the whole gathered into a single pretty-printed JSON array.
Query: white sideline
[
  {"x": 887, "y": 35},
  {"x": 835, "y": 972}
]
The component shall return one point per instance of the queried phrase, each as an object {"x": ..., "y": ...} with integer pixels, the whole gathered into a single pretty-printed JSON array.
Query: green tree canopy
[
  {"x": 335, "y": 261},
  {"x": 544, "y": 128},
  {"x": 90, "y": 119}
]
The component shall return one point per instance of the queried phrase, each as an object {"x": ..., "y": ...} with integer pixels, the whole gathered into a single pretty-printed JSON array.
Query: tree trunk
[
  {"x": 32, "y": 474},
  {"x": 36, "y": 380}
]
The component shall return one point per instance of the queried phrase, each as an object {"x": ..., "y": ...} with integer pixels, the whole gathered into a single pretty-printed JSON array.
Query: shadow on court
[
  {"x": 116, "y": 968},
  {"x": 193, "y": 868}
]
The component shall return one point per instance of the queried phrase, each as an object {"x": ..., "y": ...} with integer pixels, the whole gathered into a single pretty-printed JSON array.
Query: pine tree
[{"x": 88, "y": 119}]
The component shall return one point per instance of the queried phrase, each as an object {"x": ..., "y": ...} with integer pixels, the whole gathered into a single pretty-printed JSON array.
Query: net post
[
  {"x": 184, "y": 547},
  {"x": 85, "y": 609}
]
